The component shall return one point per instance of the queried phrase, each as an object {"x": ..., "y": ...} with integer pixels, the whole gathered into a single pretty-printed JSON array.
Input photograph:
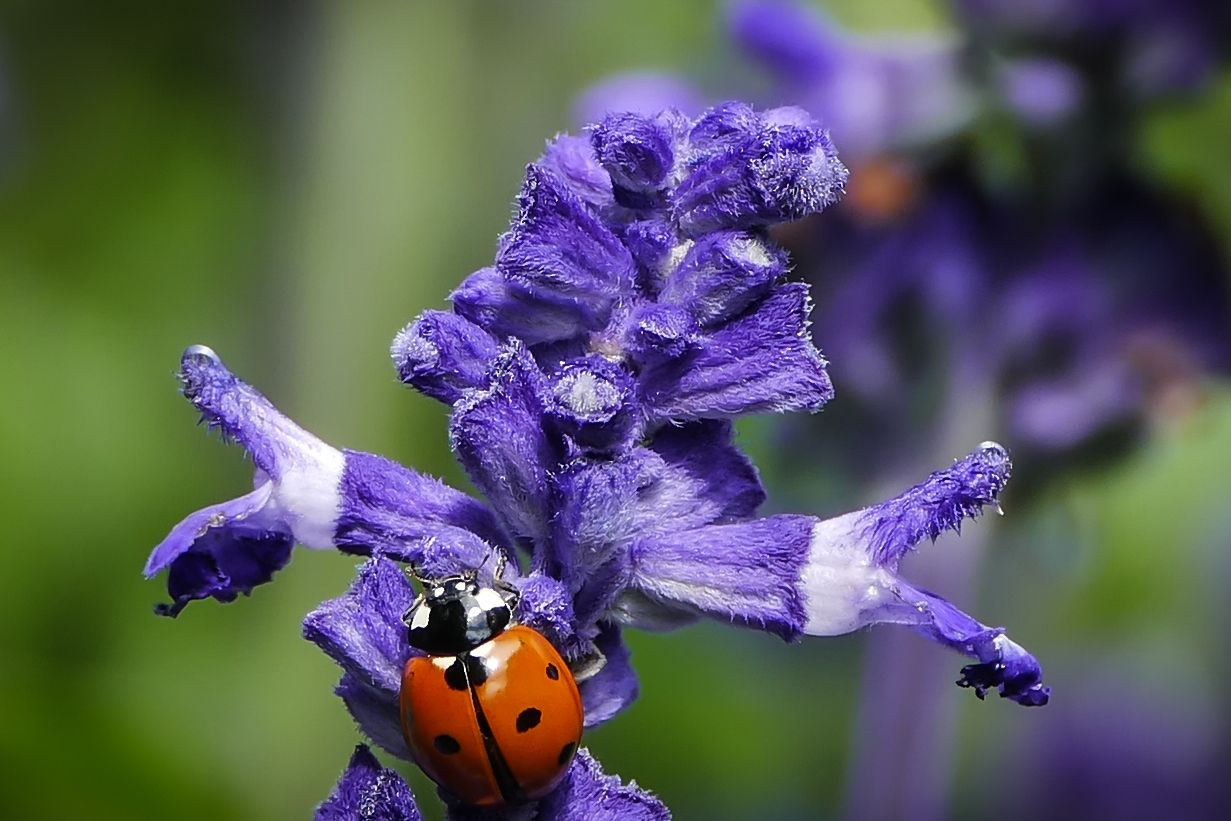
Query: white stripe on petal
[
  {"x": 309, "y": 493},
  {"x": 842, "y": 587}
]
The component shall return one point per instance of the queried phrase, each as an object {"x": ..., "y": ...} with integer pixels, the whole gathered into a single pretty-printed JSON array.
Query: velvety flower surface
[
  {"x": 367, "y": 792},
  {"x": 636, "y": 306}
]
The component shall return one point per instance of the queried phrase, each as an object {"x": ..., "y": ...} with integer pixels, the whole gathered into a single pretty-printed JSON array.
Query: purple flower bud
[
  {"x": 593, "y": 401},
  {"x": 723, "y": 274},
  {"x": 653, "y": 244},
  {"x": 639, "y": 154},
  {"x": 443, "y": 355},
  {"x": 756, "y": 170}
]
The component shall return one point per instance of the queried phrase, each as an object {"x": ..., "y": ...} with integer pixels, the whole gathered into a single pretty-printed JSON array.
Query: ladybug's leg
[
  {"x": 409, "y": 610},
  {"x": 510, "y": 593}
]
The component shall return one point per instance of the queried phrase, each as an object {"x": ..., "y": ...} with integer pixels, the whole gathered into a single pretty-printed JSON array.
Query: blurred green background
[{"x": 292, "y": 182}]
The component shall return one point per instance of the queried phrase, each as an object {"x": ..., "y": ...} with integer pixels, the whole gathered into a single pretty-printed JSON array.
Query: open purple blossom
[{"x": 636, "y": 306}]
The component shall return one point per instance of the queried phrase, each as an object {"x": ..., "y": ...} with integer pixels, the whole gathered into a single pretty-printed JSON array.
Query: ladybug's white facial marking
[
  {"x": 489, "y": 598},
  {"x": 418, "y": 619}
]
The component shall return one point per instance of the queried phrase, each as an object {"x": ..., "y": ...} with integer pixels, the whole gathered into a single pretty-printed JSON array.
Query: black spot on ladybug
[
  {"x": 567, "y": 752},
  {"x": 552, "y": 672},
  {"x": 446, "y": 744},
  {"x": 455, "y": 676},
  {"x": 466, "y": 671},
  {"x": 528, "y": 719},
  {"x": 476, "y": 670}
]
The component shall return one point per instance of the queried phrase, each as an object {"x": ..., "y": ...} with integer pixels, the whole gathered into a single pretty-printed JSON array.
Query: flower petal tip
[
  {"x": 367, "y": 790},
  {"x": 1012, "y": 671}
]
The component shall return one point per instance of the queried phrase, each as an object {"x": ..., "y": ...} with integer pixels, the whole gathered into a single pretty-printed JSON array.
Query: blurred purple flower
[
  {"x": 1128, "y": 746},
  {"x": 638, "y": 92},
  {"x": 1145, "y": 47},
  {"x": 1033, "y": 297},
  {"x": 636, "y": 306},
  {"x": 874, "y": 93},
  {"x": 1040, "y": 91}
]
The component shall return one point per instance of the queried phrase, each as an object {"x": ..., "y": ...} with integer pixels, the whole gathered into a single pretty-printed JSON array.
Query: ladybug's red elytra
[{"x": 491, "y": 712}]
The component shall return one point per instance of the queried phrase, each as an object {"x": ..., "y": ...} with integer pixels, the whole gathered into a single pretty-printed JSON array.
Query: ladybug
[{"x": 491, "y": 712}]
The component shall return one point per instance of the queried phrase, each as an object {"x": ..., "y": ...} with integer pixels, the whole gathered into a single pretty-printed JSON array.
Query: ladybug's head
[{"x": 458, "y": 614}]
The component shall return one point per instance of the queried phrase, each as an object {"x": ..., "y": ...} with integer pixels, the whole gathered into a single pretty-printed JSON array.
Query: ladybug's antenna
[{"x": 412, "y": 570}]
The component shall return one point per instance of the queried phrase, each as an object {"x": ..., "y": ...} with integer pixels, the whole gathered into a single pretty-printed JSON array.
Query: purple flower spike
[
  {"x": 368, "y": 792},
  {"x": 636, "y": 306}
]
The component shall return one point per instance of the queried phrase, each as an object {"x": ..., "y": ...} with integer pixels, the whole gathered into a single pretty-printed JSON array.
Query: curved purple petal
[
  {"x": 278, "y": 446},
  {"x": 390, "y": 509},
  {"x": 506, "y": 309},
  {"x": 229, "y": 548},
  {"x": 763, "y": 361},
  {"x": 939, "y": 503},
  {"x": 559, "y": 251},
  {"x": 221, "y": 551},
  {"x": 1003, "y": 664},
  {"x": 362, "y": 630},
  {"x": 499, "y": 437},
  {"x": 722, "y": 275},
  {"x": 572, "y": 159},
  {"x": 746, "y": 573},
  {"x": 694, "y": 475},
  {"x": 614, "y": 687},
  {"x": 593, "y": 522},
  {"x": 368, "y": 792},
  {"x": 377, "y": 713},
  {"x": 587, "y": 794}
]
